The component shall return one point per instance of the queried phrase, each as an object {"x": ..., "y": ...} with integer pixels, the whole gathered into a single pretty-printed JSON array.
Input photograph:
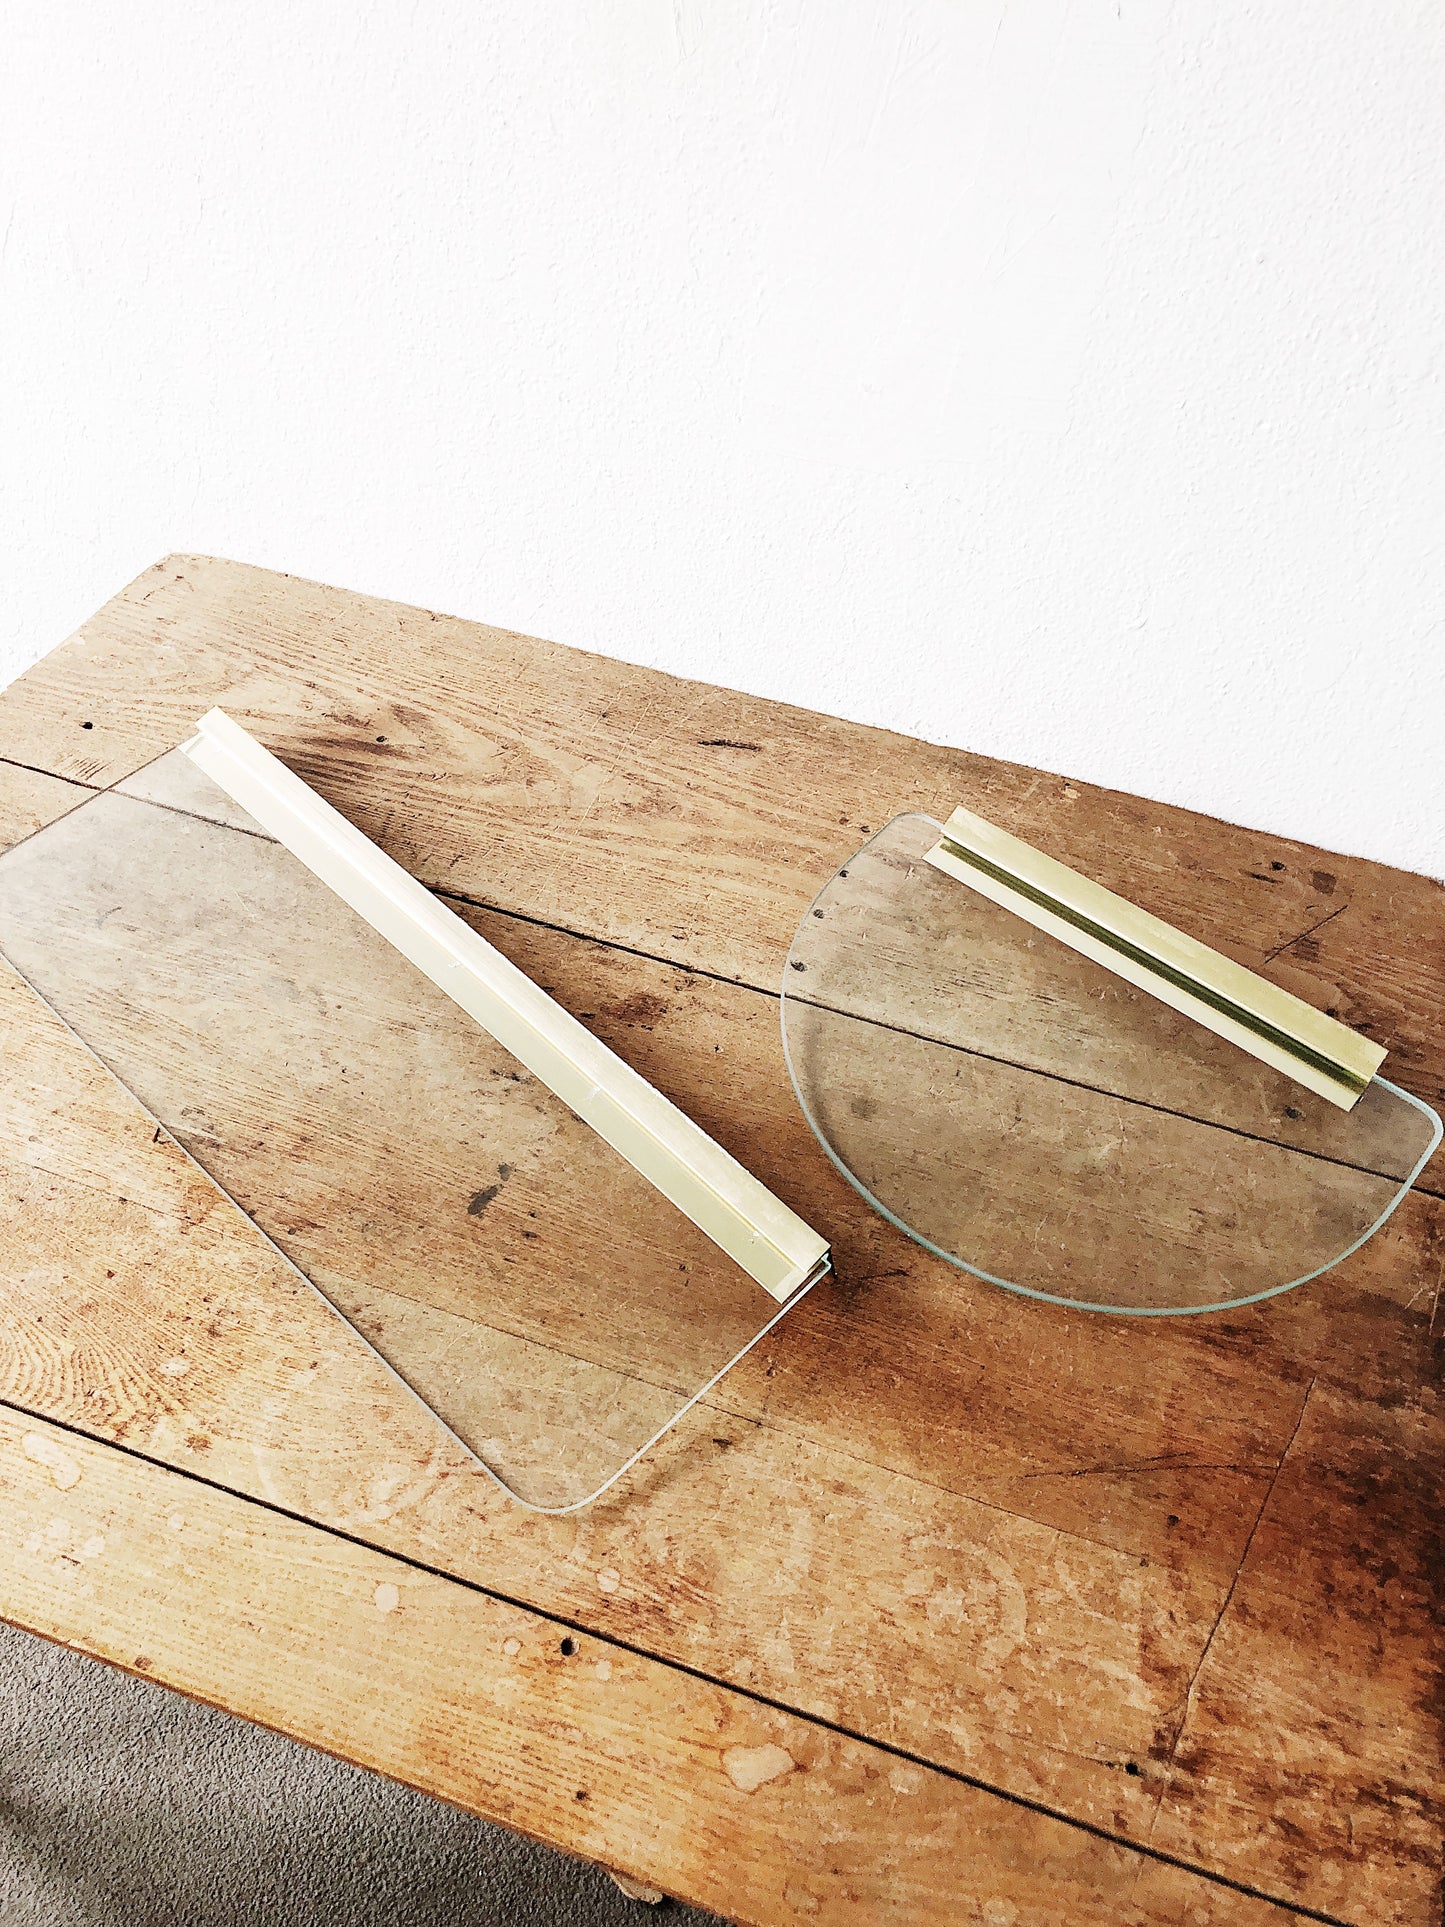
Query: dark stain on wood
[{"x": 644, "y": 1008}]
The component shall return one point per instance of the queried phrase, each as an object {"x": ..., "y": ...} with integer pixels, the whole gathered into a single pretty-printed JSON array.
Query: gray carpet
[{"x": 123, "y": 1805}]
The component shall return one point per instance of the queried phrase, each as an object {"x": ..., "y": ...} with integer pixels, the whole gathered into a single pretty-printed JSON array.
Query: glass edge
[{"x": 578, "y": 1505}]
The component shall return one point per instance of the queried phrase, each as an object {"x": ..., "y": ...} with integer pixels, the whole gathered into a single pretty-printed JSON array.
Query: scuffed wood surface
[
  {"x": 684, "y": 820},
  {"x": 754, "y": 1812},
  {"x": 1170, "y": 1578}
]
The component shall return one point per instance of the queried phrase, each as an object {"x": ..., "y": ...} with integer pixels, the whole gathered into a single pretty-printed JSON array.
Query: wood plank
[
  {"x": 577, "y": 1741},
  {"x": 685, "y": 820},
  {"x": 914, "y": 1430}
]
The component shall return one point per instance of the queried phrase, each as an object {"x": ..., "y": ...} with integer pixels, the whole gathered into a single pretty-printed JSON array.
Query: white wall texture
[{"x": 1059, "y": 378}]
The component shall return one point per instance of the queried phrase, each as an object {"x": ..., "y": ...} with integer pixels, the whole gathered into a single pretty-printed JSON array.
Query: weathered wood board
[
  {"x": 1172, "y": 1580},
  {"x": 577, "y": 1740}
]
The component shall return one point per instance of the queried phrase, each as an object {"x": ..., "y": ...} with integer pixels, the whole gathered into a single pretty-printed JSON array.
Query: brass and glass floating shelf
[
  {"x": 1056, "y": 1091},
  {"x": 538, "y": 1245}
]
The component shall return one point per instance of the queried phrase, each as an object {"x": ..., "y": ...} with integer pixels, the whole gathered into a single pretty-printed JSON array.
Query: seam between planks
[
  {"x": 34, "y": 769},
  {"x": 754, "y": 1697}
]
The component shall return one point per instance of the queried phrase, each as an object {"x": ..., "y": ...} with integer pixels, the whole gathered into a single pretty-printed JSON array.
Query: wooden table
[{"x": 949, "y": 1607}]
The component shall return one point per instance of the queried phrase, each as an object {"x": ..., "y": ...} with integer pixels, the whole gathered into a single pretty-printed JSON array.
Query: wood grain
[
  {"x": 675, "y": 817},
  {"x": 1096, "y": 1564},
  {"x": 754, "y": 1812}
]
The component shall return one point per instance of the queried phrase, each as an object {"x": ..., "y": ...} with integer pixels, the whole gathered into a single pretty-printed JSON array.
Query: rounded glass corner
[{"x": 1026, "y": 1115}]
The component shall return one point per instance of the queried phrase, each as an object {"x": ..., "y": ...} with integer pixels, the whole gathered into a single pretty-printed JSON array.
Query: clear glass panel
[
  {"x": 551, "y": 1307},
  {"x": 1024, "y": 1112}
]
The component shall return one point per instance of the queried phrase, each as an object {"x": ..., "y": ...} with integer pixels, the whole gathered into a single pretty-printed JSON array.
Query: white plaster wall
[{"x": 1059, "y": 378}]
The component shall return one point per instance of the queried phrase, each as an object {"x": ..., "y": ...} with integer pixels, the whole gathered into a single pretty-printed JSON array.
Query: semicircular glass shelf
[{"x": 1024, "y": 1112}]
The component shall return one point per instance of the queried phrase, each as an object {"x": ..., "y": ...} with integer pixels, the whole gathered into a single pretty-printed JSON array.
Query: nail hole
[
  {"x": 1273, "y": 866},
  {"x": 569, "y": 1646},
  {"x": 1133, "y": 1769},
  {"x": 1290, "y": 1111},
  {"x": 87, "y": 725}
]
